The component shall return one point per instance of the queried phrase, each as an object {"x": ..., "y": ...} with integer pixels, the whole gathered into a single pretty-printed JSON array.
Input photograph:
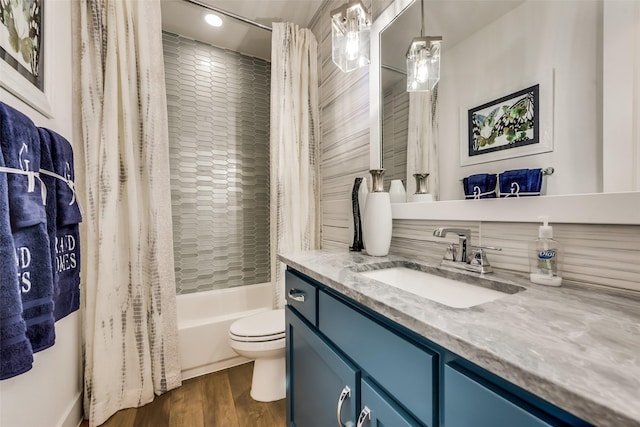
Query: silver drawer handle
[
  {"x": 296, "y": 295},
  {"x": 346, "y": 393},
  {"x": 365, "y": 415}
]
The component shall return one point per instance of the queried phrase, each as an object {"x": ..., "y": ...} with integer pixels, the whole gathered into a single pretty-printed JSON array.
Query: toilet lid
[{"x": 268, "y": 325}]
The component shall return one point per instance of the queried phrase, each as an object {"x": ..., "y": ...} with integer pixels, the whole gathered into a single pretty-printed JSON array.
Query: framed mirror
[{"x": 494, "y": 48}]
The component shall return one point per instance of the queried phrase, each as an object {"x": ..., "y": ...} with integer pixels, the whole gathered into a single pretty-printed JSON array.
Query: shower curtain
[
  {"x": 130, "y": 330},
  {"x": 422, "y": 144},
  {"x": 294, "y": 145}
]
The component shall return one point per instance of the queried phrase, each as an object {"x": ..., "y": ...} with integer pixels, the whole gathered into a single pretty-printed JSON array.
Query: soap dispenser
[{"x": 545, "y": 257}]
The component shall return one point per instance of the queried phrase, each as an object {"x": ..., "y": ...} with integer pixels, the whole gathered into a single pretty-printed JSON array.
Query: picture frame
[
  {"x": 513, "y": 125},
  {"x": 22, "y": 52}
]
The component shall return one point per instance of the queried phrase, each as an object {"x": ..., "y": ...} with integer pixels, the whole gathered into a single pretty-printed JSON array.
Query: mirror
[
  {"x": 610, "y": 165},
  {"x": 491, "y": 49}
]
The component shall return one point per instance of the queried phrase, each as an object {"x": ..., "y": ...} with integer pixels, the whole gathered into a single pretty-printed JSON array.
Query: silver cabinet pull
[
  {"x": 296, "y": 295},
  {"x": 365, "y": 415},
  {"x": 345, "y": 394}
]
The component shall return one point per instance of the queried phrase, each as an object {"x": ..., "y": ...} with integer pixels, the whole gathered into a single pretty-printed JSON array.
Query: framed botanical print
[
  {"x": 22, "y": 51},
  {"x": 513, "y": 125}
]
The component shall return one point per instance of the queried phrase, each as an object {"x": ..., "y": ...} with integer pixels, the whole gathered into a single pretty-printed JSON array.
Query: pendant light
[
  {"x": 423, "y": 60},
  {"x": 350, "y": 30}
]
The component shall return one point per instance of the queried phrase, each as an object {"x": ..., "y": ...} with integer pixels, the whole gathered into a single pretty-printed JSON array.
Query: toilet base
[{"x": 269, "y": 377}]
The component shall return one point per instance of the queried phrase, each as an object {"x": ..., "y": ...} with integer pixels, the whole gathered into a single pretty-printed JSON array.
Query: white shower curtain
[
  {"x": 130, "y": 331},
  {"x": 422, "y": 144},
  {"x": 294, "y": 145}
]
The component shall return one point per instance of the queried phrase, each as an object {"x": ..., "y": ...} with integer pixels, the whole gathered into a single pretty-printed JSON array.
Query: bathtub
[{"x": 203, "y": 325}]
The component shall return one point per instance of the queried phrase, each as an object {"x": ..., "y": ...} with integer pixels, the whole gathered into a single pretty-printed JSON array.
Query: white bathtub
[{"x": 203, "y": 325}]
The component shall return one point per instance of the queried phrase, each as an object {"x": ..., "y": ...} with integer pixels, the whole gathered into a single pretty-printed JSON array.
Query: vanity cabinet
[
  {"x": 468, "y": 402},
  {"x": 379, "y": 410},
  {"x": 325, "y": 387},
  {"x": 322, "y": 385},
  {"x": 405, "y": 370},
  {"x": 346, "y": 361}
]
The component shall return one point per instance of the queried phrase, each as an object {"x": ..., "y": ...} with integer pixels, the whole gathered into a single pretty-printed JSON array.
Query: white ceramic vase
[
  {"x": 376, "y": 227},
  {"x": 397, "y": 193}
]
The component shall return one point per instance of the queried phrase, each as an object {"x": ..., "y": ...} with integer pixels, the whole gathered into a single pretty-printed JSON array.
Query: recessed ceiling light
[{"x": 213, "y": 20}]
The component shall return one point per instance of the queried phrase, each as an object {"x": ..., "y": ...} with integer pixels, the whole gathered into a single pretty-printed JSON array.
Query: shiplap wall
[
  {"x": 344, "y": 129},
  {"x": 607, "y": 255}
]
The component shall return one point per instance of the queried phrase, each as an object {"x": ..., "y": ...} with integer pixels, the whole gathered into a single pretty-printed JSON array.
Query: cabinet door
[
  {"x": 404, "y": 370},
  {"x": 377, "y": 411},
  {"x": 317, "y": 379},
  {"x": 468, "y": 402}
]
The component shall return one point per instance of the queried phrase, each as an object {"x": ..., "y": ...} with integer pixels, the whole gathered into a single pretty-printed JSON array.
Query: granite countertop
[{"x": 576, "y": 347}]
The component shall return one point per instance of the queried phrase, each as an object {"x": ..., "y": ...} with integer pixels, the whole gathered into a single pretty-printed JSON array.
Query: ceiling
[{"x": 185, "y": 19}]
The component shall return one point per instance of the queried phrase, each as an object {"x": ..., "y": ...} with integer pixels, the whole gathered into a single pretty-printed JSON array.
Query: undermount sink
[{"x": 428, "y": 282}]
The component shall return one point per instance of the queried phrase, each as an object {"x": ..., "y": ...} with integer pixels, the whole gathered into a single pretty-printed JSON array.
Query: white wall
[
  {"x": 514, "y": 52},
  {"x": 621, "y": 99},
  {"x": 50, "y": 394}
]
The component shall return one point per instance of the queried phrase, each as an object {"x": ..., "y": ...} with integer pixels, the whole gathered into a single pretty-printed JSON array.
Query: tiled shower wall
[
  {"x": 218, "y": 105},
  {"x": 607, "y": 255}
]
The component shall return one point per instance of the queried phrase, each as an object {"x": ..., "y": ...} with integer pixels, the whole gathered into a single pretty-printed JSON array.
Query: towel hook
[{"x": 548, "y": 171}]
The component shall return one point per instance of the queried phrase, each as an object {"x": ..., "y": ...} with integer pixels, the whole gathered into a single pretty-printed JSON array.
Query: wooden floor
[{"x": 220, "y": 399}]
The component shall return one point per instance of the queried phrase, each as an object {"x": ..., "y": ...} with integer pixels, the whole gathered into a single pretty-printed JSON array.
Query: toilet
[{"x": 262, "y": 337}]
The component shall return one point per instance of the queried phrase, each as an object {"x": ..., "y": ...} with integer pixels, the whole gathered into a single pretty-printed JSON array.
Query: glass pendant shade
[
  {"x": 423, "y": 64},
  {"x": 350, "y": 30}
]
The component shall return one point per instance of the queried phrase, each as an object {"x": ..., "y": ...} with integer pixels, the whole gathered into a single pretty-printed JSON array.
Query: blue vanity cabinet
[
  {"x": 468, "y": 401},
  {"x": 301, "y": 295},
  {"x": 348, "y": 359},
  {"x": 405, "y": 370},
  {"x": 395, "y": 378},
  {"x": 322, "y": 385},
  {"x": 473, "y": 397},
  {"x": 378, "y": 411}
]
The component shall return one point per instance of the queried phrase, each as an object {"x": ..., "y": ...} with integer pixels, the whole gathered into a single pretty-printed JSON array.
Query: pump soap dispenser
[{"x": 545, "y": 256}]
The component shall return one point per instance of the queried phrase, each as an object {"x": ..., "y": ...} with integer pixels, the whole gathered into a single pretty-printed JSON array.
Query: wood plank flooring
[{"x": 219, "y": 399}]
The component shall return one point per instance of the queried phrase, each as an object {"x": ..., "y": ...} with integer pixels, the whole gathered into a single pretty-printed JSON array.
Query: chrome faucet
[
  {"x": 464, "y": 236},
  {"x": 457, "y": 255}
]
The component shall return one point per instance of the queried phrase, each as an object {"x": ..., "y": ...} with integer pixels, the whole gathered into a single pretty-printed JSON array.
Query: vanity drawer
[
  {"x": 402, "y": 369},
  {"x": 470, "y": 401},
  {"x": 301, "y": 295}
]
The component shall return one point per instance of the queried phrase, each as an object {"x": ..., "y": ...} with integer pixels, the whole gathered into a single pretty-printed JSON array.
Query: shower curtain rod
[{"x": 229, "y": 14}]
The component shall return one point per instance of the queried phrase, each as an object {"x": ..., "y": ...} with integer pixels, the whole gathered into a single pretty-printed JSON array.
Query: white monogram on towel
[
  {"x": 477, "y": 194},
  {"x": 24, "y": 165},
  {"x": 65, "y": 257},
  {"x": 515, "y": 190},
  {"x": 23, "y": 261}
]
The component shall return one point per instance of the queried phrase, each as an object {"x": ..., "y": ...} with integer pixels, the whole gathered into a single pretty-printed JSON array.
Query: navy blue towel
[
  {"x": 20, "y": 144},
  {"x": 48, "y": 179},
  {"x": 16, "y": 355},
  {"x": 480, "y": 186},
  {"x": 520, "y": 182},
  {"x": 68, "y": 217}
]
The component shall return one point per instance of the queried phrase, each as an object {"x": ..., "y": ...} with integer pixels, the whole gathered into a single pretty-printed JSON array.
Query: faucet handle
[
  {"x": 479, "y": 258},
  {"x": 450, "y": 253}
]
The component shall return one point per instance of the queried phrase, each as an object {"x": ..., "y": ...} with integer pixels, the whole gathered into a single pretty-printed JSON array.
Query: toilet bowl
[{"x": 262, "y": 337}]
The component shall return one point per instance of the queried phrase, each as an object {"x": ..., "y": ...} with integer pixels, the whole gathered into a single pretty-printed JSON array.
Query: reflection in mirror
[{"x": 491, "y": 49}]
